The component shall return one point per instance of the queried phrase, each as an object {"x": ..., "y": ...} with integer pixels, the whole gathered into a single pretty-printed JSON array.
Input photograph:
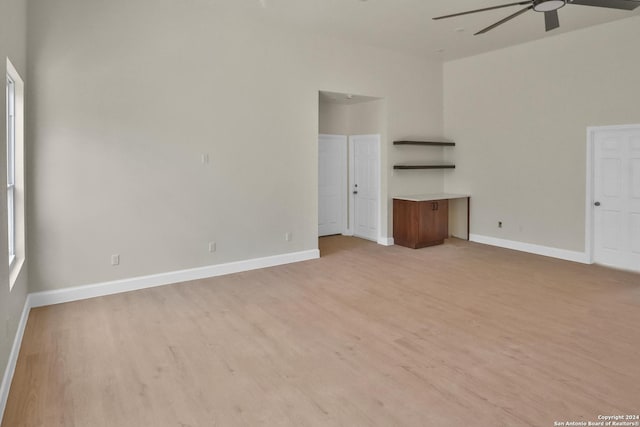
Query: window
[
  {"x": 11, "y": 166},
  {"x": 15, "y": 172}
]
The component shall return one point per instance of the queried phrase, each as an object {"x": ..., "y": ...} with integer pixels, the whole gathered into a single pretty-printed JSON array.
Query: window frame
[
  {"x": 14, "y": 114},
  {"x": 11, "y": 167}
]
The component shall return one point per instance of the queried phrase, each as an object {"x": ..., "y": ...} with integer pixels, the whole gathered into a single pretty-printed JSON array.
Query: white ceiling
[{"x": 407, "y": 25}]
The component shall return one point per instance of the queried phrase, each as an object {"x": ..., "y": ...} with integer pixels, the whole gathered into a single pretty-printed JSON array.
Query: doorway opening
[
  {"x": 613, "y": 196},
  {"x": 349, "y": 166}
]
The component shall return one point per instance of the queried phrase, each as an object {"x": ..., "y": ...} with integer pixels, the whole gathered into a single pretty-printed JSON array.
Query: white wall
[
  {"x": 126, "y": 96},
  {"x": 519, "y": 118},
  {"x": 13, "y": 45}
]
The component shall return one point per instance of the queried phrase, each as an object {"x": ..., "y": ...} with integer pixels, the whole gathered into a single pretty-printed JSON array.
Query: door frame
[
  {"x": 344, "y": 200},
  {"x": 590, "y": 199},
  {"x": 352, "y": 197}
]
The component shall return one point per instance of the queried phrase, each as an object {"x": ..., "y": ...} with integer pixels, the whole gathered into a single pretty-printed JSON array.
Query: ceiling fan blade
[
  {"x": 502, "y": 21},
  {"x": 486, "y": 8},
  {"x": 551, "y": 21},
  {"x": 611, "y": 4}
]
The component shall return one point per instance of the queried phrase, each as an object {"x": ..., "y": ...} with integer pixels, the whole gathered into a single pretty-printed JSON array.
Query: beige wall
[
  {"x": 363, "y": 118},
  {"x": 367, "y": 118},
  {"x": 519, "y": 117},
  {"x": 12, "y": 45},
  {"x": 333, "y": 119},
  {"x": 128, "y": 95}
]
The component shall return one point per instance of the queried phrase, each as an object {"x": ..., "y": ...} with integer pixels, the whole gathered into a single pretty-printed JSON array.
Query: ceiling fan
[{"x": 550, "y": 10}]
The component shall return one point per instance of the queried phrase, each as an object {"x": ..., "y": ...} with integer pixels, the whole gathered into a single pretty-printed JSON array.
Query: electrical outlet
[
  {"x": 288, "y": 236},
  {"x": 204, "y": 158},
  {"x": 212, "y": 247},
  {"x": 115, "y": 259},
  {"x": 499, "y": 224}
]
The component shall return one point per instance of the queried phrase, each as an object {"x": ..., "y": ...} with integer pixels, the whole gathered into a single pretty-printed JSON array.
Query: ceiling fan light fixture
[{"x": 548, "y": 5}]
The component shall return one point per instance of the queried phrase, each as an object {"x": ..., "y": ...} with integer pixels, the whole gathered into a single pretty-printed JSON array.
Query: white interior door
[
  {"x": 366, "y": 185},
  {"x": 332, "y": 184},
  {"x": 616, "y": 184}
]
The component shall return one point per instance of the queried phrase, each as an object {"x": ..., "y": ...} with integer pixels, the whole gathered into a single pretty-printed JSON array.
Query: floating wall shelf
[
  {"x": 425, "y": 143},
  {"x": 412, "y": 167}
]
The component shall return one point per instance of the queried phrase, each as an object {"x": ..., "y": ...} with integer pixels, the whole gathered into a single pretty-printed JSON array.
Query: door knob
[
  {"x": 597, "y": 203},
  {"x": 355, "y": 192}
]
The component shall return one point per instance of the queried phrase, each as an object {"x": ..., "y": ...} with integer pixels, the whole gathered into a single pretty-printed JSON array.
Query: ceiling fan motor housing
[{"x": 548, "y": 5}]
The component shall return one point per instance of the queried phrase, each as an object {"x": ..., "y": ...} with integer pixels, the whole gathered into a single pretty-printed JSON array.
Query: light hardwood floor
[{"x": 454, "y": 335}]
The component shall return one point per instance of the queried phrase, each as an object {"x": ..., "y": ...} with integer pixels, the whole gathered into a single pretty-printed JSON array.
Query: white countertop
[{"x": 428, "y": 197}]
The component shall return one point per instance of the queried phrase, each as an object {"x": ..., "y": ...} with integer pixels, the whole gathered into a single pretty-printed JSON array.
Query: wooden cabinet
[{"x": 417, "y": 224}]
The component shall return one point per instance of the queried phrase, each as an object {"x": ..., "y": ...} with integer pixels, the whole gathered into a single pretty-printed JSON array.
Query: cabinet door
[
  {"x": 434, "y": 222},
  {"x": 442, "y": 223},
  {"x": 405, "y": 222}
]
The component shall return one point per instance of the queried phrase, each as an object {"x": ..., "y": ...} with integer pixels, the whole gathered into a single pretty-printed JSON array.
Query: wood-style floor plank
[{"x": 454, "y": 335}]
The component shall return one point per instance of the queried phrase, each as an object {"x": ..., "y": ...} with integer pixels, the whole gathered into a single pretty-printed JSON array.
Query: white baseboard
[
  {"x": 565, "y": 254},
  {"x": 385, "y": 241},
  {"x": 39, "y": 299},
  {"x": 5, "y": 386}
]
